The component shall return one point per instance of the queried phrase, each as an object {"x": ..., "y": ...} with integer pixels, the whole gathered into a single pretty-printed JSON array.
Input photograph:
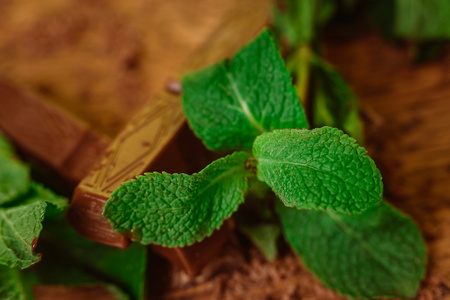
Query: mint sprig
[
  {"x": 318, "y": 169},
  {"x": 178, "y": 209},
  {"x": 323, "y": 170},
  {"x": 229, "y": 104}
]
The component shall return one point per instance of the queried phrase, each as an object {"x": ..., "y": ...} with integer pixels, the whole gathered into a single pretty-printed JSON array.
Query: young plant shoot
[{"x": 331, "y": 206}]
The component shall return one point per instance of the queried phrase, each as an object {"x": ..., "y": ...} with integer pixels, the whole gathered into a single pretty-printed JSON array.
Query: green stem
[{"x": 302, "y": 71}]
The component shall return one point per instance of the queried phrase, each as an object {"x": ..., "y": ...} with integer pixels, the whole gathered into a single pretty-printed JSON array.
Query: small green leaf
[
  {"x": 335, "y": 104},
  {"x": 298, "y": 19},
  {"x": 40, "y": 193},
  {"x": 231, "y": 103},
  {"x": 5, "y": 147},
  {"x": 179, "y": 210},
  {"x": 376, "y": 254},
  {"x": 10, "y": 285},
  {"x": 264, "y": 236},
  {"x": 19, "y": 226},
  {"x": 318, "y": 169},
  {"x": 14, "y": 178},
  {"x": 422, "y": 19}
]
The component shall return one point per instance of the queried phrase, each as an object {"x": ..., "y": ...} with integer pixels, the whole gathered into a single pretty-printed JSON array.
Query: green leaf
[
  {"x": 376, "y": 254},
  {"x": 318, "y": 169},
  {"x": 231, "y": 103},
  {"x": 298, "y": 20},
  {"x": 5, "y": 147},
  {"x": 70, "y": 259},
  {"x": 179, "y": 210},
  {"x": 335, "y": 104},
  {"x": 10, "y": 285},
  {"x": 40, "y": 193},
  {"x": 422, "y": 19},
  {"x": 19, "y": 227},
  {"x": 264, "y": 236},
  {"x": 14, "y": 178}
]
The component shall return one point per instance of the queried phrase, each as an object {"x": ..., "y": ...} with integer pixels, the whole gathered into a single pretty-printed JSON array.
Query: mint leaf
[
  {"x": 231, "y": 103},
  {"x": 5, "y": 147},
  {"x": 70, "y": 259},
  {"x": 335, "y": 104},
  {"x": 318, "y": 169},
  {"x": 10, "y": 285},
  {"x": 14, "y": 178},
  {"x": 19, "y": 226},
  {"x": 39, "y": 193},
  {"x": 264, "y": 236},
  {"x": 177, "y": 209},
  {"x": 299, "y": 19},
  {"x": 376, "y": 254},
  {"x": 422, "y": 20}
]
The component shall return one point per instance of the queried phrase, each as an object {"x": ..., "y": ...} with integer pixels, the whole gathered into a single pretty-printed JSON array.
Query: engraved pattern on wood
[{"x": 145, "y": 136}]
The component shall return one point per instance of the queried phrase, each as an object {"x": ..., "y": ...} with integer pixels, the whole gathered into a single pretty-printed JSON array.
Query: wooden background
[{"x": 100, "y": 60}]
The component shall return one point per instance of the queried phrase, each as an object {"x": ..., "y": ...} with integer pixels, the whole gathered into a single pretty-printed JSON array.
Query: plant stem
[{"x": 302, "y": 71}]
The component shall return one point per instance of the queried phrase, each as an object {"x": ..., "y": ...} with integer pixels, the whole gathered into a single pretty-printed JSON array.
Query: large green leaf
[
  {"x": 231, "y": 103},
  {"x": 376, "y": 254},
  {"x": 179, "y": 210},
  {"x": 19, "y": 227},
  {"x": 422, "y": 19},
  {"x": 318, "y": 169}
]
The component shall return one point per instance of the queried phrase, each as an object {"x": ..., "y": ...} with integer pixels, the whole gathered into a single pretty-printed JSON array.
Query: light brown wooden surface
[{"x": 102, "y": 59}]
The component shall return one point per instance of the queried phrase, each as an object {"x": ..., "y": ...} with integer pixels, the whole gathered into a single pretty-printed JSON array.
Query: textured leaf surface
[
  {"x": 231, "y": 103},
  {"x": 19, "y": 226},
  {"x": 335, "y": 104},
  {"x": 318, "y": 169},
  {"x": 14, "y": 178},
  {"x": 179, "y": 209},
  {"x": 265, "y": 237},
  {"x": 376, "y": 254}
]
